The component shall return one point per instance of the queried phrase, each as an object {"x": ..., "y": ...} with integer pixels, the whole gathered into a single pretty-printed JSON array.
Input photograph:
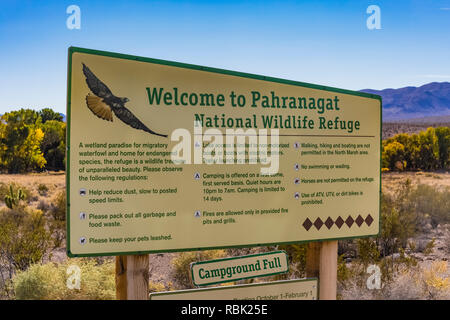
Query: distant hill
[
  {"x": 433, "y": 120},
  {"x": 432, "y": 99}
]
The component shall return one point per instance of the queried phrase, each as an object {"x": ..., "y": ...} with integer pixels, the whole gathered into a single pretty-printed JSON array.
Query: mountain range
[{"x": 429, "y": 100}]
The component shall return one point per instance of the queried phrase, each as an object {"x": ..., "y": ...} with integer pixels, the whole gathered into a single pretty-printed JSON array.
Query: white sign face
[
  {"x": 304, "y": 289},
  {"x": 238, "y": 268}
]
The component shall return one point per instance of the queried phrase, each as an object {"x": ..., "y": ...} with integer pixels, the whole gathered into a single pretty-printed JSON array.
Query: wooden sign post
[
  {"x": 132, "y": 277},
  {"x": 321, "y": 262}
]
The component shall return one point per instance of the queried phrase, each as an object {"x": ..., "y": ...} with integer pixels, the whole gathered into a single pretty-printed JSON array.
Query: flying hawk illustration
[{"x": 103, "y": 103}]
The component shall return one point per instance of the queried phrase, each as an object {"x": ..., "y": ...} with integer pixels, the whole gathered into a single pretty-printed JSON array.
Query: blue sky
[{"x": 321, "y": 42}]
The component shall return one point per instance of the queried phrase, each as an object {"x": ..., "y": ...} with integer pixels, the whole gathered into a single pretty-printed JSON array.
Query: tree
[
  {"x": 413, "y": 152},
  {"x": 443, "y": 137},
  {"x": 392, "y": 154},
  {"x": 20, "y": 138},
  {"x": 429, "y": 149},
  {"x": 48, "y": 114},
  {"x": 53, "y": 145}
]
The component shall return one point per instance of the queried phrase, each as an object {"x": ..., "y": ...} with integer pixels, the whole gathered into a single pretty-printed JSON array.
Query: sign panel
[
  {"x": 238, "y": 268},
  {"x": 304, "y": 289},
  {"x": 164, "y": 156}
]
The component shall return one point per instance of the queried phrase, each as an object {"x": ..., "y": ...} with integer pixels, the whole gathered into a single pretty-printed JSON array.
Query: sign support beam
[
  {"x": 321, "y": 262},
  {"x": 132, "y": 274}
]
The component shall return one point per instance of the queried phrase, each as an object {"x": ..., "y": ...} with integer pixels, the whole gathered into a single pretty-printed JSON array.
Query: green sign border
[
  {"x": 237, "y": 286},
  {"x": 237, "y": 258},
  {"x": 73, "y": 50}
]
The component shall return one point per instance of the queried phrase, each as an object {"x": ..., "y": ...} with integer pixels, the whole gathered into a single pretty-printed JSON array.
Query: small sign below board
[
  {"x": 302, "y": 289},
  {"x": 237, "y": 268}
]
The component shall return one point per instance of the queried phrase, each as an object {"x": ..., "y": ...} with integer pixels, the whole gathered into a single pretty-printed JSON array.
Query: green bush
[
  {"x": 49, "y": 281},
  {"x": 182, "y": 261},
  {"x": 297, "y": 259},
  {"x": 427, "y": 200},
  {"x": 42, "y": 189},
  {"x": 56, "y": 218},
  {"x": 24, "y": 239}
]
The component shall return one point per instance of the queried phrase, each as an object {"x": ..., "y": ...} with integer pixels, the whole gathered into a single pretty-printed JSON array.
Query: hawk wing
[
  {"x": 99, "y": 108},
  {"x": 96, "y": 86},
  {"x": 130, "y": 119}
]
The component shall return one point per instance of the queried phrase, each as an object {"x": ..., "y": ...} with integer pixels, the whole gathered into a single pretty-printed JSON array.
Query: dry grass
[
  {"x": 54, "y": 183},
  {"x": 391, "y": 181},
  {"x": 32, "y": 180}
]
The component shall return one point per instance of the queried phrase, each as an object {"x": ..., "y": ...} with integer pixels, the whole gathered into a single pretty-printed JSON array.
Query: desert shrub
[
  {"x": 56, "y": 218},
  {"x": 429, "y": 201},
  {"x": 435, "y": 281},
  {"x": 43, "y": 205},
  {"x": 159, "y": 286},
  {"x": 182, "y": 261},
  {"x": 430, "y": 283},
  {"x": 42, "y": 189},
  {"x": 408, "y": 283},
  {"x": 343, "y": 272},
  {"x": 297, "y": 259},
  {"x": 447, "y": 239},
  {"x": 23, "y": 237},
  {"x": 368, "y": 252},
  {"x": 39, "y": 282},
  {"x": 420, "y": 246},
  {"x": 58, "y": 206},
  {"x": 24, "y": 240},
  {"x": 404, "y": 287},
  {"x": 429, "y": 247},
  {"x": 49, "y": 281},
  {"x": 399, "y": 220},
  {"x": 156, "y": 287}
]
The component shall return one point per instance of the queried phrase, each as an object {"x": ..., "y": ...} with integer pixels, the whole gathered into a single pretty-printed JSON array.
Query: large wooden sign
[{"x": 166, "y": 156}]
